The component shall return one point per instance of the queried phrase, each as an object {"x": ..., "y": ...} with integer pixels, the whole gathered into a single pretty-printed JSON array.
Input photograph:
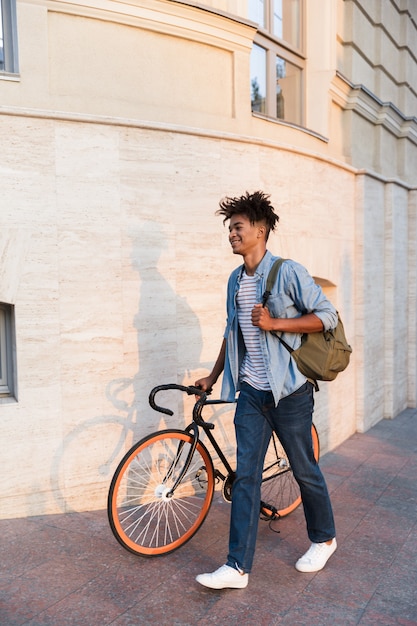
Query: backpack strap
[{"x": 270, "y": 281}]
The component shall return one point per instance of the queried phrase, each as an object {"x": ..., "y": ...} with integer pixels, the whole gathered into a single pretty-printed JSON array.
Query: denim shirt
[{"x": 294, "y": 294}]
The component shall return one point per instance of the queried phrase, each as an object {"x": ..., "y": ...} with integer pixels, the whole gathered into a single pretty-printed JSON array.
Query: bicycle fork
[{"x": 186, "y": 465}]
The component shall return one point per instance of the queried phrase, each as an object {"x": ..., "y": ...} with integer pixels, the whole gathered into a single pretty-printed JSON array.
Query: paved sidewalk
[{"x": 68, "y": 569}]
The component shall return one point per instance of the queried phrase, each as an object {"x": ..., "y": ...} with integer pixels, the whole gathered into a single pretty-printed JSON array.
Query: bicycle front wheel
[
  {"x": 279, "y": 490},
  {"x": 146, "y": 516}
]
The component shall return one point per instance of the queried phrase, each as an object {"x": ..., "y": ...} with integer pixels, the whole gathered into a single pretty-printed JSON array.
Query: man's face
[{"x": 245, "y": 237}]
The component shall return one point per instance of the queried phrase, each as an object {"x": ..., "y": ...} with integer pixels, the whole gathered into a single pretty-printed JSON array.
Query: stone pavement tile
[
  {"x": 384, "y": 524},
  {"x": 399, "y": 585},
  {"x": 79, "y": 597},
  {"x": 410, "y": 545},
  {"x": 348, "y": 512},
  {"x": 12, "y": 529},
  {"x": 394, "y": 500},
  {"x": 274, "y": 565},
  {"x": 277, "y": 557},
  {"x": 69, "y": 569},
  {"x": 400, "y": 433},
  {"x": 94, "y": 603},
  {"x": 91, "y": 523},
  {"x": 346, "y": 581},
  {"x": 386, "y": 463},
  {"x": 339, "y": 463},
  {"x": 310, "y": 610},
  {"x": 179, "y": 603},
  {"x": 186, "y": 603},
  {"x": 384, "y": 611},
  {"x": 403, "y": 488},
  {"x": 375, "y": 540},
  {"x": 265, "y": 602},
  {"x": 33, "y": 594},
  {"x": 333, "y": 481},
  {"x": 366, "y": 486},
  {"x": 57, "y": 564},
  {"x": 17, "y": 557},
  {"x": 352, "y": 452}
]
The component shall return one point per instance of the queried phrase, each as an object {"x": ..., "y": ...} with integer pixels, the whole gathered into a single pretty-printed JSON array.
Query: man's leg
[
  {"x": 292, "y": 421},
  {"x": 253, "y": 433}
]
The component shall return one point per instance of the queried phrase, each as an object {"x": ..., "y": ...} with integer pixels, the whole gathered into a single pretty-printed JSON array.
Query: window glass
[
  {"x": 258, "y": 79},
  {"x": 3, "y": 360},
  {"x": 257, "y": 12},
  {"x": 286, "y": 23},
  {"x": 1, "y": 41},
  {"x": 277, "y": 19},
  {"x": 277, "y": 59},
  {"x": 288, "y": 91},
  {"x": 6, "y": 350},
  {"x": 8, "y": 37}
]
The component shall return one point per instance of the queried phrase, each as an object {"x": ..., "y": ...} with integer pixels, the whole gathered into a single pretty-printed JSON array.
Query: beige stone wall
[
  {"x": 120, "y": 286},
  {"x": 375, "y": 104},
  {"x": 143, "y": 60},
  {"x": 377, "y": 48},
  {"x": 376, "y": 86},
  {"x": 385, "y": 302},
  {"x": 128, "y": 122}
]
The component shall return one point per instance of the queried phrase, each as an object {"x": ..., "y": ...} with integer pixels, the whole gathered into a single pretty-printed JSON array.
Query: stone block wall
[{"x": 119, "y": 285}]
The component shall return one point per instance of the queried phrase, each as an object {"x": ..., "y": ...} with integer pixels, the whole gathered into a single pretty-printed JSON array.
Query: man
[{"x": 273, "y": 394}]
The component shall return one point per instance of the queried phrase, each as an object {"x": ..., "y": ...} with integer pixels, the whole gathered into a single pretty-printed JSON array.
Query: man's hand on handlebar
[{"x": 205, "y": 384}]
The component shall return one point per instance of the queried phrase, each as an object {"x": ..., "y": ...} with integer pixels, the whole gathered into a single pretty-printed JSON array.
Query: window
[
  {"x": 7, "y": 350},
  {"x": 277, "y": 62},
  {"x": 8, "y": 37}
]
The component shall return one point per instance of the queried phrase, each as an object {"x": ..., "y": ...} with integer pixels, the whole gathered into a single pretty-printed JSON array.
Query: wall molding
[
  {"x": 166, "y": 127},
  {"x": 82, "y": 118},
  {"x": 358, "y": 98}
]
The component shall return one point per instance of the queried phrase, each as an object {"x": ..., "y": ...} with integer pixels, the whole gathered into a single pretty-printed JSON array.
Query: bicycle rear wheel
[
  {"x": 280, "y": 494},
  {"x": 145, "y": 516}
]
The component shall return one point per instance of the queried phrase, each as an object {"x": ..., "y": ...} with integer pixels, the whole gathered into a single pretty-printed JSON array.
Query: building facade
[{"x": 123, "y": 123}]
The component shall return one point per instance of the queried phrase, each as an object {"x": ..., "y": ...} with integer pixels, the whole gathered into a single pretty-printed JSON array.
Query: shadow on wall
[{"x": 168, "y": 345}]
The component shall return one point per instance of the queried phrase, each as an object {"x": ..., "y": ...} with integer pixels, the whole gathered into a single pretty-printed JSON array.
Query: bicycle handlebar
[{"x": 191, "y": 391}]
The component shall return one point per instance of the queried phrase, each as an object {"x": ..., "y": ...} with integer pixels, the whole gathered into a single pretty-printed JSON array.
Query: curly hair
[{"x": 256, "y": 207}]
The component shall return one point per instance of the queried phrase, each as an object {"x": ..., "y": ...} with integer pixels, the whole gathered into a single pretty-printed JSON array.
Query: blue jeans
[{"x": 255, "y": 416}]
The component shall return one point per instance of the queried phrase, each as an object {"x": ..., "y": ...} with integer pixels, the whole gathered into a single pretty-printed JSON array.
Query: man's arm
[
  {"x": 308, "y": 323},
  {"x": 207, "y": 382}
]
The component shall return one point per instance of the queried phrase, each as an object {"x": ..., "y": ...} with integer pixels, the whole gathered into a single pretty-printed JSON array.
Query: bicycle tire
[
  {"x": 280, "y": 493},
  {"x": 143, "y": 516}
]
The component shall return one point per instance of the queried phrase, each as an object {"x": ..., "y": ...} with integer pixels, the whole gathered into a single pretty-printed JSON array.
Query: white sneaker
[
  {"x": 316, "y": 557},
  {"x": 225, "y": 577}
]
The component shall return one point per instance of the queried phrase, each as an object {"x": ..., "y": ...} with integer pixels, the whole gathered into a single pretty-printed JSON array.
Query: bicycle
[{"x": 162, "y": 489}]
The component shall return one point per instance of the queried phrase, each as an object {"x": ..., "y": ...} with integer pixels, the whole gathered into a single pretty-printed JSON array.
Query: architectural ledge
[
  {"x": 362, "y": 101},
  {"x": 180, "y": 18}
]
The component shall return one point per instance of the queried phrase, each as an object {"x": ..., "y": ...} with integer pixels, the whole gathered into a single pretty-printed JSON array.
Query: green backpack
[{"x": 322, "y": 355}]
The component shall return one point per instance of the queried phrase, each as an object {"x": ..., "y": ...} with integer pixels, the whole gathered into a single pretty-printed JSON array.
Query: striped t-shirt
[{"x": 252, "y": 369}]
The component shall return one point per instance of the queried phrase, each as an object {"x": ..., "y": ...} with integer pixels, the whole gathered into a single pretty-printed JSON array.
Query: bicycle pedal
[{"x": 268, "y": 513}]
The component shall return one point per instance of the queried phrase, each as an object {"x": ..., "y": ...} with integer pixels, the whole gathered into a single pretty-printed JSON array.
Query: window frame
[
  {"x": 7, "y": 351},
  {"x": 9, "y": 29},
  {"x": 274, "y": 47}
]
